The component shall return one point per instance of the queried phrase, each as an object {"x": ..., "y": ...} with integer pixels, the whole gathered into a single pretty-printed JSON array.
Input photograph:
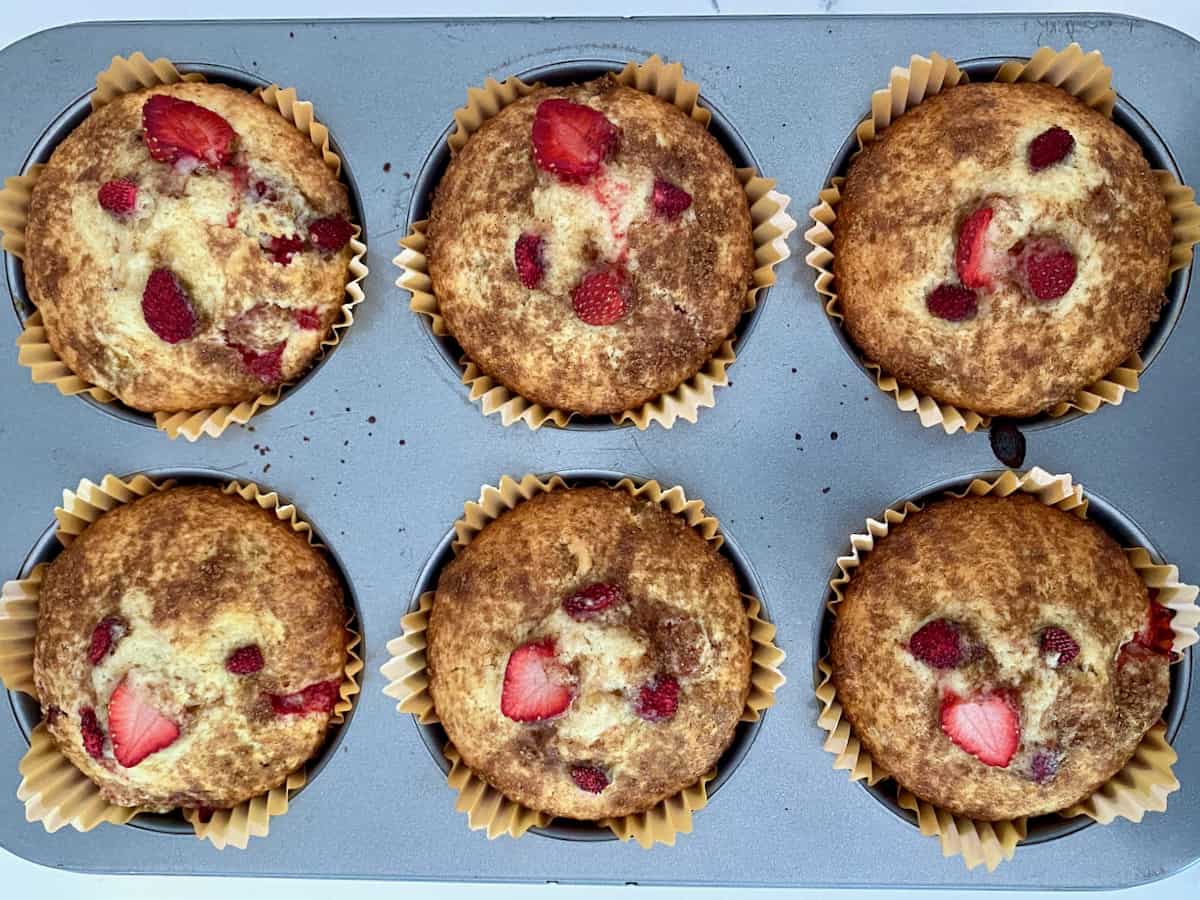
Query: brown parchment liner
[
  {"x": 33, "y": 346},
  {"x": 53, "y": 790},
  {"x": 486, "y": 807},
  {"x": 768, "y": 216},
  {"x": 1141, "y": 786},
  {"x": 1083, "y": 75}
]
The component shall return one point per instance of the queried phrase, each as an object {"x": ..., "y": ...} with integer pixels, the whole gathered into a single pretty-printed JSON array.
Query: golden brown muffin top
[
  {"x": 161, "y": 600},
  {"x": 684, "y": 272},
  {"x": 252, "y": 315},
  {"x": 654, "y": 682},
  {"x": 1095, "y": 211},
  {"x": 1033, "y": 617}
]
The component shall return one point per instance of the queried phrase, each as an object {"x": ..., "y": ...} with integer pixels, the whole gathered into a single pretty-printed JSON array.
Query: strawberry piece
[
  {"x": 118, "y": 196},
  {"x": 658, "y": 698},
  {"x": 1156, "y": 635},
  {"x": 670, "y": 201},
  {"x": 138, "y": 729},
  {"x": 593, "y": 600},
  {"x": 986, "y": 726},
  {"x": 1057, "y": 647},
  {"x": 167, "y": 308},
  {"x": 589, "y": 779},
  {"x": 1044, "y": 765},
  {"x": 176, "y": 129},
  {"x": 1049, "y": 147},
  {"x": 93, "y": 734},
  {"x": 320, "y": 697},
  {"x": 1049, "y": 268},
  {"x": 527, "y": 255},
  {"x": 282, "y": 247},
  {"x": 971, "y": 253},
  {"x": 330, "y": 234},
  {"x": 105, "y": 635},
  {"x": 245, "y": 660},
  {"x": 602, "y": 297},
  {"x": 952, "y": 302},
  {"x": 938, "y": 643},
  {"x": 536, "y": 685},
  {"x": 266, "y": 366},
  {"x": 570, "y": 140},
  {"x": 308, "y": 319}
]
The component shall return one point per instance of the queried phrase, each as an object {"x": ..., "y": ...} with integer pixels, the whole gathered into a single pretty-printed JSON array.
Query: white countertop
[{"x": 21, "y": 17}]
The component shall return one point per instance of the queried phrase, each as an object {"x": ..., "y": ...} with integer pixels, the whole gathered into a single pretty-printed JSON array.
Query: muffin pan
[{"x": 383, "y": 446}]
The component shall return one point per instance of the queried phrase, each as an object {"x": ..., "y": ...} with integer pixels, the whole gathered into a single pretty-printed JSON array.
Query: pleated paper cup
[
  {"x": 1141, "y": 786},
  {"x": 768, "y": 216},
  {"x": 35, "y": 353},
  {"x": 53, "y": 790},
  {"x": 489, "y": 809},
  {"x": 1083, "y": 75}
]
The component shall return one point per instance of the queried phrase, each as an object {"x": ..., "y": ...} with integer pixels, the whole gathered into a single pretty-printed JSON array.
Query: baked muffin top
[
  {"x": 1000, "y": 247},
  {"x": 187, "y": 247},
  {"x": 589, "y": 654},
  {"x": 1001, "y": 658},
  {"x": 189, "y": 651},
  {"x": 590, "y": 247}
]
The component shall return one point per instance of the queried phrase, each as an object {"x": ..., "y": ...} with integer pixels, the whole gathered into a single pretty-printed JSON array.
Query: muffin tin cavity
[
  {"x": 567, "y": 72},
  {"x": 1157, "y": 154},
  {"x": 66, "y": 122},
  {"x": 1127, "y": 533},
  {"x": 27, "y": 712},
  {"x": 434, "y": 736}
]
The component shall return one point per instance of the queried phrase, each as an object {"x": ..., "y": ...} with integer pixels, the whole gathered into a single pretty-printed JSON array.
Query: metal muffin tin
[{"x": 380, "y": 446}]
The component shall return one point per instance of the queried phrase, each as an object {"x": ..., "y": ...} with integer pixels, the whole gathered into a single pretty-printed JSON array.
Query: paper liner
[
  {"x": 53, "y": 790},
  {"x": 34, "y": 350},
  {"x": 486, "y": 807},
  {"x": 1080, "y": 74},
  {"x": 1141, "y": 785},
  {"x": 768, "y": 216}
]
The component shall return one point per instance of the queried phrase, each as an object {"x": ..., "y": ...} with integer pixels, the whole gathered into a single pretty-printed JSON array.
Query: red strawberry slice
[
  {"x": 986, "y": 726},
  {"x": 320, "y": 697},
  {"x": 176, "y": 129},
  {"x": 1057, "y": 647},
  {"x": 330, "y": 234},
  {"x": 1156, "y": 635},
  {"x": 1049, "y": 267},
  {"x": 536, "y": 685},
  {"x": 952, "y": 302},
  {"x": 118, "y": 196},
  {"x": 670, "y": 201},
  {"x": 570, "y": 140},
  {"x": 938, "y": 644},
  {"x": 138, "y": 729},
  {"x": 245, "y": 660},
  {"x": 593, "y": 600},
  {"x": 602, "y": 297},
  {"x": 308, "y": 319},
  {"x": 92, "y": 733},
  {"x": 970, "y": 255},
  {"x": 167, "y": 308},
  {"x": 1049, "y": 147},
  {"x": 527, "y": 256},
  {"x": 658, "y": 698},
  {"x": 105, "y": 635},
  {"x": 589, "y": 779},
  {"x": 282, "y": 248},
  {"x": 266, "y": 365}
]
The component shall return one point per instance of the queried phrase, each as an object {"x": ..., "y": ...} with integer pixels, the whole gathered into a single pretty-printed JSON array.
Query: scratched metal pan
[{"x": 380, "y": 446}]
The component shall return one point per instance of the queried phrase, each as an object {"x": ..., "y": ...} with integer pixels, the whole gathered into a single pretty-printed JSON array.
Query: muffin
[
  {"x": 187, "y": 247},
  {"x": 189, "y": 651},
  {"x": 1001, "y": 247},
  {"x": 590, "y": 247},
  {"x": 589, "y": 654},
  {"x": 999, "y": 657}
]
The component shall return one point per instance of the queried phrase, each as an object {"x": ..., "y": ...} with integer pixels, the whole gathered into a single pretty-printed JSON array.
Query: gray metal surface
[{"x": 796, "y": 453}]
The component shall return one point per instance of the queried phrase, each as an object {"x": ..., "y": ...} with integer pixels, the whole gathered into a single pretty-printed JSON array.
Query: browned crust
[
  {"x": 85, "y": 270},
  {"x": 1005, "y": 569},
  {"x": 690, "y": 280},
  {"x": 901, "y": 206},
  {"x": 684, "y": 607},
  {"x": 216, "y": 573}
]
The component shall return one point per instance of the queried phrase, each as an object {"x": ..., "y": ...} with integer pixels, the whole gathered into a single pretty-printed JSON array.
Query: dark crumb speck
[
  {"x": 793, "y": 370},
  {"x": 266, "y": 468},
  {"x": 342, "y": 461},
  {"x": 347, "y": 409},
  {"x": 402, "y": 442},
  {"x": 346, "y": 443},
  {"x": 798, "y": 436},
  {"x": 1007, "y": 443},
  {"x": 387, "y": 167},
  {"x": 306, "y": 439},
  {"x": 370, "y": 420},
  {"x": 291, "y": 34},
  {"x": 833, "y": 435},
  {"x": 825, "y": 490},
  {"x": 312, "y": 412},
  {"x": 408, "y": 174}
]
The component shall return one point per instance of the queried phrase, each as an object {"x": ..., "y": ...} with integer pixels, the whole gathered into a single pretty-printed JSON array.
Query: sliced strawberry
[
  {"x": 536, "y": 685},
  {"x": 592, "y": 600},
  {"x": 986, "y": 726},
  {"x": 1049, "y": 147},
  {"x": 138, "y": 729},
  {"x": 527, "y": 256},
  {"x": 118, "y": 196},
  {"x": 308, "y": 319},
  {"x": 176, "y": 129},
  {"x": 602, "y": 297},
  {"x": 670, "y": 201},
  {"x": 952, "y": 302},
  {"x": 245, "y": 660},
  {"x": 265, "y": 365},
  {"x": 1049, "y": 268},
  {"x": 658, "y": 698},
  {"x": 105, "y": 635},
  {"x": 320, "y": 697},
  {"x": 167, "y": 308},
  {"x": 589, "y": 779},
  {"x": 330, "y": 234},
  {"x": 282, "y": 248},
  {"x": 1057, "y": 647},
  {"x": 971, "y": 253},
  {"x": 938, "y": 643},
  {"x": 570, "y": 140},
  {"x": 92, "y": 733},
  {"x": 1157, "y": 635}
]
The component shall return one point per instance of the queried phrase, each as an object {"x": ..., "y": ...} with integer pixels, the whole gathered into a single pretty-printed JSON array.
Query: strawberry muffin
[
  {"x": 999, "y": 657},
  {"x": 187, "y": 248},
  {"x": 1001, "y": 247},
  {"x": 590, "y": 247},
  {"x": 589, "y": 654},
  {"x": 190, "y": 649}
]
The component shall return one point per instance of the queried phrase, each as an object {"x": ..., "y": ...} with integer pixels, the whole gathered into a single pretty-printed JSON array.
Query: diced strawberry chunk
[
  {"x": 320, "y": 697},
  {"x": 986, "y": 726},
  {"x": 138, "y": 729},
  {"x": 536, "y": 685},
  {"x": 175, "y": 129},
  {"x": 571, "y": 140}
]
